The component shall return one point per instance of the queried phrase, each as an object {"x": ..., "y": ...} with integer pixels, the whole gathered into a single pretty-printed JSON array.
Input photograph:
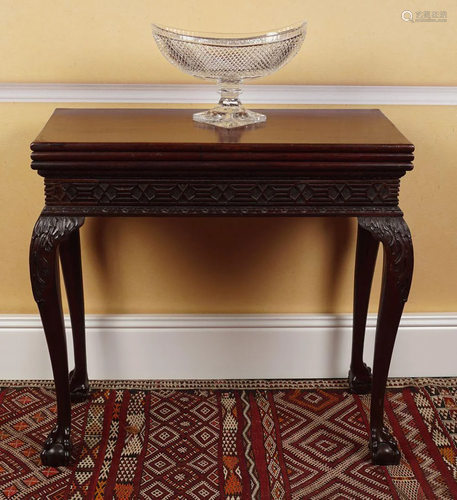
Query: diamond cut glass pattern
[{"x": 229, "y": 60}]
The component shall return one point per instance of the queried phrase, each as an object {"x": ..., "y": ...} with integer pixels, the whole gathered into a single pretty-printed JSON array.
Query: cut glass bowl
[{"x": 229, "y": 59}]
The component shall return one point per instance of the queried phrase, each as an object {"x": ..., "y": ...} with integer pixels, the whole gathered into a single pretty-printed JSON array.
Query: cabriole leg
[
  {"x": 70, "y": 257},
  {"x": 367, "y": 251},
  {"x": 395, "y": 237},
  {"x": 48, "y": 234}
]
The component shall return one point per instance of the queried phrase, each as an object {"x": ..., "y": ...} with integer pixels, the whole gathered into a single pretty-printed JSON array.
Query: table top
[
  {"x": 158, "y": 129},
  {"x": 153, "y": 140}
]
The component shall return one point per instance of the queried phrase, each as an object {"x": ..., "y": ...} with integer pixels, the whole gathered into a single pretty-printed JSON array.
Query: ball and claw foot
[
  {"x": 57, "y": 448},
  {"x": 79, "y": 388},
  {"x": 383, "y": 448},
  {"x": 360, "y": 383}
]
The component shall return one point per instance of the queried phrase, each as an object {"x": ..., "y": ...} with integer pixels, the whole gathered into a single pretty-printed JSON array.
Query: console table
[{"x": 144, "y": 162}]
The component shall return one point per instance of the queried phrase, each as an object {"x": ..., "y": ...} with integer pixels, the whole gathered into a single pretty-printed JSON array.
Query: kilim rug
[{"x": 230, "y": 440}]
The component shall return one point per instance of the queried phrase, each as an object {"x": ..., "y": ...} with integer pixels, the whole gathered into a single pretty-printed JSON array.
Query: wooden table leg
[
  {"x": 394, "y": 234},
  {"x": 367, "y": 251},
  {"x": 70, "y": 257},
  {"x": 48, "y": 234}
]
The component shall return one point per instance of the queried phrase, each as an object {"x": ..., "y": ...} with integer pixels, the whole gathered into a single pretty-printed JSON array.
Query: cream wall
[{"x": 230, "y": 265}]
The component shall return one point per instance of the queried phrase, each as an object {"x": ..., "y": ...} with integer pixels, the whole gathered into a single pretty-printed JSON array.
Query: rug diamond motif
[
  {"x": 161, "y": 463},
  {"x": 181, "y": 478},
  {"x": 183, "y": 450}
]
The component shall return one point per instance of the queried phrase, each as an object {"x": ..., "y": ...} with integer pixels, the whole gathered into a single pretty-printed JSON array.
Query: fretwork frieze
[{"x": 203, "y": 192}]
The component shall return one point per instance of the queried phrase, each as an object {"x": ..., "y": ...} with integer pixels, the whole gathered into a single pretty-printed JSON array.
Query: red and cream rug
[{"x": 230, "y": 440}]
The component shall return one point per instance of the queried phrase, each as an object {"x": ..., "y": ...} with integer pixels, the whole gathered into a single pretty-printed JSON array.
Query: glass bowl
[{"x": 229, "y": 59}]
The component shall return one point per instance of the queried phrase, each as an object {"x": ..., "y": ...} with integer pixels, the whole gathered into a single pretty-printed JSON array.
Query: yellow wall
[
  {"x": 230, "y": 265},
  {"x": 352, "y": 42}
]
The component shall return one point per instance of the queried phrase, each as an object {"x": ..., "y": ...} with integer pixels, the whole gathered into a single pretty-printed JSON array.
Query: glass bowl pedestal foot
[{"x": 229, "y": 113}]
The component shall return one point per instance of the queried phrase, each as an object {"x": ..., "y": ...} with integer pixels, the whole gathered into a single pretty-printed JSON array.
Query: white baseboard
[
  {"x": 206, "y": 93},
  {"x": 228, "y": 346}
]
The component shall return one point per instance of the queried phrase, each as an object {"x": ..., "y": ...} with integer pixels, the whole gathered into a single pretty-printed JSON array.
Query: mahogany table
[{"x": 143, "y": 162}]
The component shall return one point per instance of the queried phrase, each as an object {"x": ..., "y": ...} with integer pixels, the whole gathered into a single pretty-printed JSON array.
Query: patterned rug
[{"x": 230, "y": 440}]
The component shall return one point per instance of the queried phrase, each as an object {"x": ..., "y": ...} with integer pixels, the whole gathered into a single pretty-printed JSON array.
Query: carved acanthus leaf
[
  {"x": 48, "y": 233},
  {"x": 394, "y": 234}
]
